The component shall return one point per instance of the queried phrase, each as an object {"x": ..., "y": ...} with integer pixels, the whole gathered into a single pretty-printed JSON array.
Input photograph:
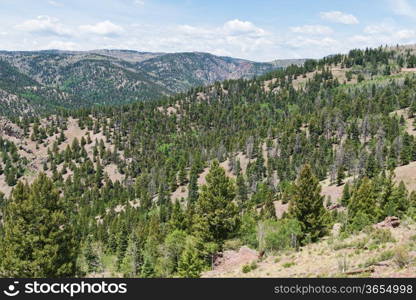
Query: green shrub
[
  {"x": 381, "y": 236},
  {"x": 249, "y": 267},
  {"x": 246, "y": 268},
  {"x": 278, "y": 235},
  {"x": 233, "y": 244},
  {"x": 288, "y": 264},
  {"x": 248, "y": 231},
  {"x": 386, "y": 255}
]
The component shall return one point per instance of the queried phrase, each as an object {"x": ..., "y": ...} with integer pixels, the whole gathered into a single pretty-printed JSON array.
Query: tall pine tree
[
  {"x": 38, "y": 238},
  {"x": 307, "y": 205}
]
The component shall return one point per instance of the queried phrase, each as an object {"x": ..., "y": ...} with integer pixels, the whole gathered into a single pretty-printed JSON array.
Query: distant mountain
[{"x": 32, "y": 81}]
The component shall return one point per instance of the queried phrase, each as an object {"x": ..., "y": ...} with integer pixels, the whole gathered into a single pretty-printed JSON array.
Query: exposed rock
[
  {"x": 233, "y": 260},
  {"x": 389, "y": 222}
]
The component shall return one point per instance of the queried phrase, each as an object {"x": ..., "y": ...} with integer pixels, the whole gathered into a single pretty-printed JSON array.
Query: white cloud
[
  {"x": 237, "y": 27},
  {"x": 312, "y": 29},
  {"x": 403, "y": 8},
  {"x": 406, "y": 34},
  {"x": 45, "y": 25},
  {"x": 102, "y": 28},
  {"x": 138, "y": 2},
  {"x": 339, "y": 17}
]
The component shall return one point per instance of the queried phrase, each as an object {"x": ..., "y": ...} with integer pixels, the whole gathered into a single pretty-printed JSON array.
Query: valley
[{"x": 260, "y": 169}]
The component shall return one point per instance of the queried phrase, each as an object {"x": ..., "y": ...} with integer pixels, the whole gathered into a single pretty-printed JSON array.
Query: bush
[
  {"x": 401, "y": 257},
  {"x": 278, "y": 235},
  {"x": 249, "y": 267},
  {"x": 381, "y": 236},
  {"x": 386, "y": 255},
  {"x": 246, "y": 268},
  {"x": 233, "y": 244},
  {"x": 248, "y": 231},
  {"x": 359, "y": 222}
]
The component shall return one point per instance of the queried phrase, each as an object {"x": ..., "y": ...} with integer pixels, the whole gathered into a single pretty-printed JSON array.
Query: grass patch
[
  {"x": 249, "y": 267},
  {"x": 288, "y": 264}
]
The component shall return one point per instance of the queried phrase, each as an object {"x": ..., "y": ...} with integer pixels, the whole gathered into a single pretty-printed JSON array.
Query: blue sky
[{"x": 260, "y": 30}]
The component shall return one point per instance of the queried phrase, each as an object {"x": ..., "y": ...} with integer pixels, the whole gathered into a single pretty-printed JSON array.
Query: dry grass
[{"x": 323, "y": 259}]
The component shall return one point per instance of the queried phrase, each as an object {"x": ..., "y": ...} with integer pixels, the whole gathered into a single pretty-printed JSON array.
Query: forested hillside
[
  {"x": 46, "y": 81},
  {"x": 278, "y": 163}
]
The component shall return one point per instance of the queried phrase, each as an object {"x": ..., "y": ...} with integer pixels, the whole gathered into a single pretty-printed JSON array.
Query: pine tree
[
  {"x": 190, "y": 264},
  {"x": 346, "y": 195},
  {"x": 241, "y": 189},
  {"x": 397, "y": 202},
  {"x": 177, "y": 219},
  {"x": 216, "y": 214},
  {"x": 371, "y": 168},
  {"x": 193, "y": 186},
  {"x": 92, "y": 256},
  {"x": 362, "y": 208},
  {"x": 340, "y": 176},
  {"x": 132, "y": 260},
  {"x": 147, "y": 270},
  {"x": 38, "y": 238},
  {"x": 307, "y": 205}
]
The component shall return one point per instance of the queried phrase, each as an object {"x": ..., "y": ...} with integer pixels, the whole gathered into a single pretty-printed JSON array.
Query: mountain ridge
[{"x": 111, "y": 76}]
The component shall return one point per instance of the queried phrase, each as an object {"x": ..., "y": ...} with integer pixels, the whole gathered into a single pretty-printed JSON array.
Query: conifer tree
[
  {"x": 92, "y": 256},
  {"x": 346, "y": 195},
  {"x": 216, "y": 214},
  {"x": 190, "y": 264},
  {"x": 242, "y": 196},
  {"x": 363, "y": 207},
  {"x": 193, "y": 185},
  {"x": 307, "y": 205},
  {"x": 38, "y": 238},
  {"x": 340, "y": 176}
]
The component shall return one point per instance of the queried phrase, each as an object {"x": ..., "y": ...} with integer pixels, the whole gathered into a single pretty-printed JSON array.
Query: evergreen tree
[
  {"x": 346, "y": 195},
  {"x": 190, "y": 264},
  {"x": 340, "y": 176},
  {"x": 216, "y": 214},
  {"x": 307, "y": 205},
  {"x": 38, "y": 238},
  {"x": 92, "y": 256},
  {"x": 363, "y": 207},
  {"x": 193, "y": 186},
  {"x": 242, "y": 196}
]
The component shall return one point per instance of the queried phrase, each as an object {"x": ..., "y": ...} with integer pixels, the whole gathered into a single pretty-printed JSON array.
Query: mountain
[
  {"x": 75, "y": 78},
  {"x": 259, "y": 177}
]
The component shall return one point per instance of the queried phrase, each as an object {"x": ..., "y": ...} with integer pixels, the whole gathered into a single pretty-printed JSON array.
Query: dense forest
[{"x": 233, "y": 149}]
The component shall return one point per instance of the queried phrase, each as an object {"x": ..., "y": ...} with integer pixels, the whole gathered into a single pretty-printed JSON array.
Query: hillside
[
  {"x": 68, "y": 79},
  {"x": 293, "y": 166}
]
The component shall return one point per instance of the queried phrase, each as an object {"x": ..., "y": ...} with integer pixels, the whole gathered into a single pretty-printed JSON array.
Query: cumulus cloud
[
  {"x": 44, "y": 25},
  {"x": 105, "y": 28},
  {"x": 312, "y": 29},
  {"x": 339, "y": 17},
  {"x": 237, "y": 27}
]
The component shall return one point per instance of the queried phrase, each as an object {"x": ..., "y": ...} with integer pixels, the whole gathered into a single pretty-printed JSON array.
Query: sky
[{"x": 261, "y": 30}]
